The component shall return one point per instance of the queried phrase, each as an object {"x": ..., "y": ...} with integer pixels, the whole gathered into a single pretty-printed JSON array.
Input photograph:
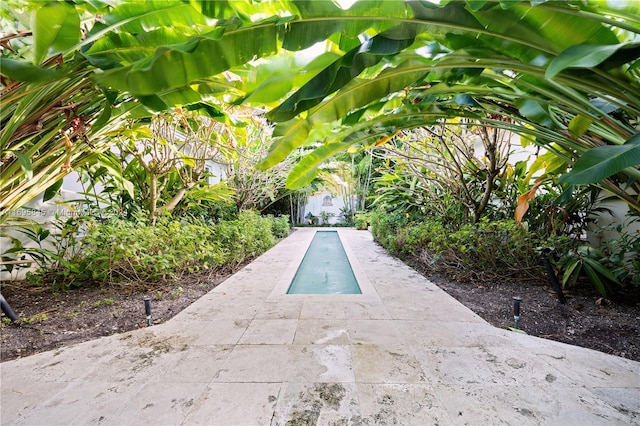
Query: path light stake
[
  {"x": 147, "y": 309},
  {"x": 516, "y": 311}
]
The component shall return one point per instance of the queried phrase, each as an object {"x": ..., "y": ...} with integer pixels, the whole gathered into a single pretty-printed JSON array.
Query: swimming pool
[{"x": 325, "y": 268}]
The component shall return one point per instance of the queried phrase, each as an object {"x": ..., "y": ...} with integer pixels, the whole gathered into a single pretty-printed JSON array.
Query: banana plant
[
  {"x": 571, "y": 84},
  {"x": 62, "y": 92},
  {"x": 565, "y": 73}
]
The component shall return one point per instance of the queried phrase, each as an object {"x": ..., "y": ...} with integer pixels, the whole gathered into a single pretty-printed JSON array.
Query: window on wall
[{"x": 327, "y": 201}]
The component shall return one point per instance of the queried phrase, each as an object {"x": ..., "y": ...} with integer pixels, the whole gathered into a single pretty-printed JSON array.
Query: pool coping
[{"x": 369, "y": 293}]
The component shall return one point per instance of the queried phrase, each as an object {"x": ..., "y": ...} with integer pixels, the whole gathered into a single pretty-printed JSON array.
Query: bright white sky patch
[
  {"x": 344, "y": 4},
  {"x": 312, "y": 52}
]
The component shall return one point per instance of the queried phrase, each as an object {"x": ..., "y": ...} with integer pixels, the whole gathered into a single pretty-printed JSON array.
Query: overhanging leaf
[
  {"x": 25, "y": 164},
  {"x": 51, "y": 191},
  {"x": 579, "y": 125},
  {"x": 125, "y": 48},
  {"x": 316, "y": 24},
  {"x": 306, "y": 170},
  {"x": 191, "y": 61},
  {"x": 535, "y": 111},
  {"x": 56, "y": 29},
  {"x": 23, "y": 71},
  {"x": 339, "y": 74},
  {"x": 600, "y": 163},
  {"x": 137, "y": 17},
  {"x": 354, "y": 95},
  {"x": 582, "y": 56},
  {"x": 551, "y": 163}
]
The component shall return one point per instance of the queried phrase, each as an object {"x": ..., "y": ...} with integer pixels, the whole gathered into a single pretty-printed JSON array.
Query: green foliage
[
  {"x": 37, "y": 234},
  {"x": 243, "y": 238},
  {"x": 385, "y": 226},
  {"x": 621, "y": 253},
  {"x": 57, "y": 28},
  {"x": 107, "y": 301},
  {"x": 347, "y": 215},
  {"x": 591, "y": 262},
  {"x": 324, "y": 216},
  {"x": 393, "y": 66},
  {"x": 362, "y": 220},
  {"x": 496, "y": 251},
  {"x": 207, "y": 211},
  {"x": 604, "y": 161},
  {"x": 55, "y": 252},
  {"x": 35, "y": 319},
  {"x": 501, "y": 250},
  {"x": 553, "y": 213},
  {"x": 311, "y": 219},
  {"x": 571, "y": 87},
  {"x": 162, "y": 165},
  {"x": 280, "y": 226},
  {"x": 122, "y": 250},
  {"x": 131, "y": 251},
  {"x": 453, "y": 82},
  {"x": 432, "y": 171},
  {"x": 254, "y": 188},
  {"x": 555, "y": 218}
]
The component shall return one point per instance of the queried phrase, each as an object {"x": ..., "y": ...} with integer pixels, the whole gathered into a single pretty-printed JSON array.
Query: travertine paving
[{"x": 403, "y": 352}]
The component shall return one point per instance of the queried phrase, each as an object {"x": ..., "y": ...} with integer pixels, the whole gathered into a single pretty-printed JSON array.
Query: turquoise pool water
[{"x": 325, "y": 268}]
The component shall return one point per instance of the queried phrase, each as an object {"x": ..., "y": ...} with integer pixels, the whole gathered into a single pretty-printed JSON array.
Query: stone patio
[{"x": 404, "y": 352}]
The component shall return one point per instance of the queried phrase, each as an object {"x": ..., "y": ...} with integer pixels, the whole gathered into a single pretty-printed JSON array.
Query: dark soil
[
  {"x": 52, "y": 319},
  {"x": 587, "y": 320}
]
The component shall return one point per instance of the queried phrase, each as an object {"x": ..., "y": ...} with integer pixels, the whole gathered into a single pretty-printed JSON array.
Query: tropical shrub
[
  {"x": 611, "y": 267},
  {"x": 280, "y": 226},
  {"x": 498, "y": 250},
  {"x": 55, "y": 251},
  {"x": 495, "y": 251},
  {"x": 428, "y": 162},
  {"x": 385, "y": 226},
  {"x": 311, "y": 219},
  {"x": 624, "y": 254},
  {"x": 254, "y": 188},
  {"x": 585, "y": 260},
  {"x": 503, "y": 251},
  {"x": 123, "y": 250},
  {"x": 131, "y": 251},
  {"x": 324, "y": 216},
  {"x": 244, "y": 238},
  {"x": 362, "y": 220},
  {"x": 401, "y": 67},
  {"x": 207, "y": 211}
]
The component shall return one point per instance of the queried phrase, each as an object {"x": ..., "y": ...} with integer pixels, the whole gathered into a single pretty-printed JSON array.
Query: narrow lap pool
[{"x": 325, "y": 268}]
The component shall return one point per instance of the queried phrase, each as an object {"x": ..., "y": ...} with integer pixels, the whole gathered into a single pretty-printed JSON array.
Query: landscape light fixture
[
  {"x": 516, "y": 311},
  {"x": 147, "y": 309}
]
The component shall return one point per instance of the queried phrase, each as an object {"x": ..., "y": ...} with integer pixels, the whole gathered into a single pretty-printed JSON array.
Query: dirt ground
[
  {"x": 52, "y": 319},
  {"x": 587, "y": 320}
]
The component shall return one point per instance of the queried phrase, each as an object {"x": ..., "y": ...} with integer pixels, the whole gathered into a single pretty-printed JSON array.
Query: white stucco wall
[
  {"x": 603, "y": 228},
  {"x": 325, "y": 201},
  {"x": 217, "y": 170},
  {"x": 62, "y": 206}
]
